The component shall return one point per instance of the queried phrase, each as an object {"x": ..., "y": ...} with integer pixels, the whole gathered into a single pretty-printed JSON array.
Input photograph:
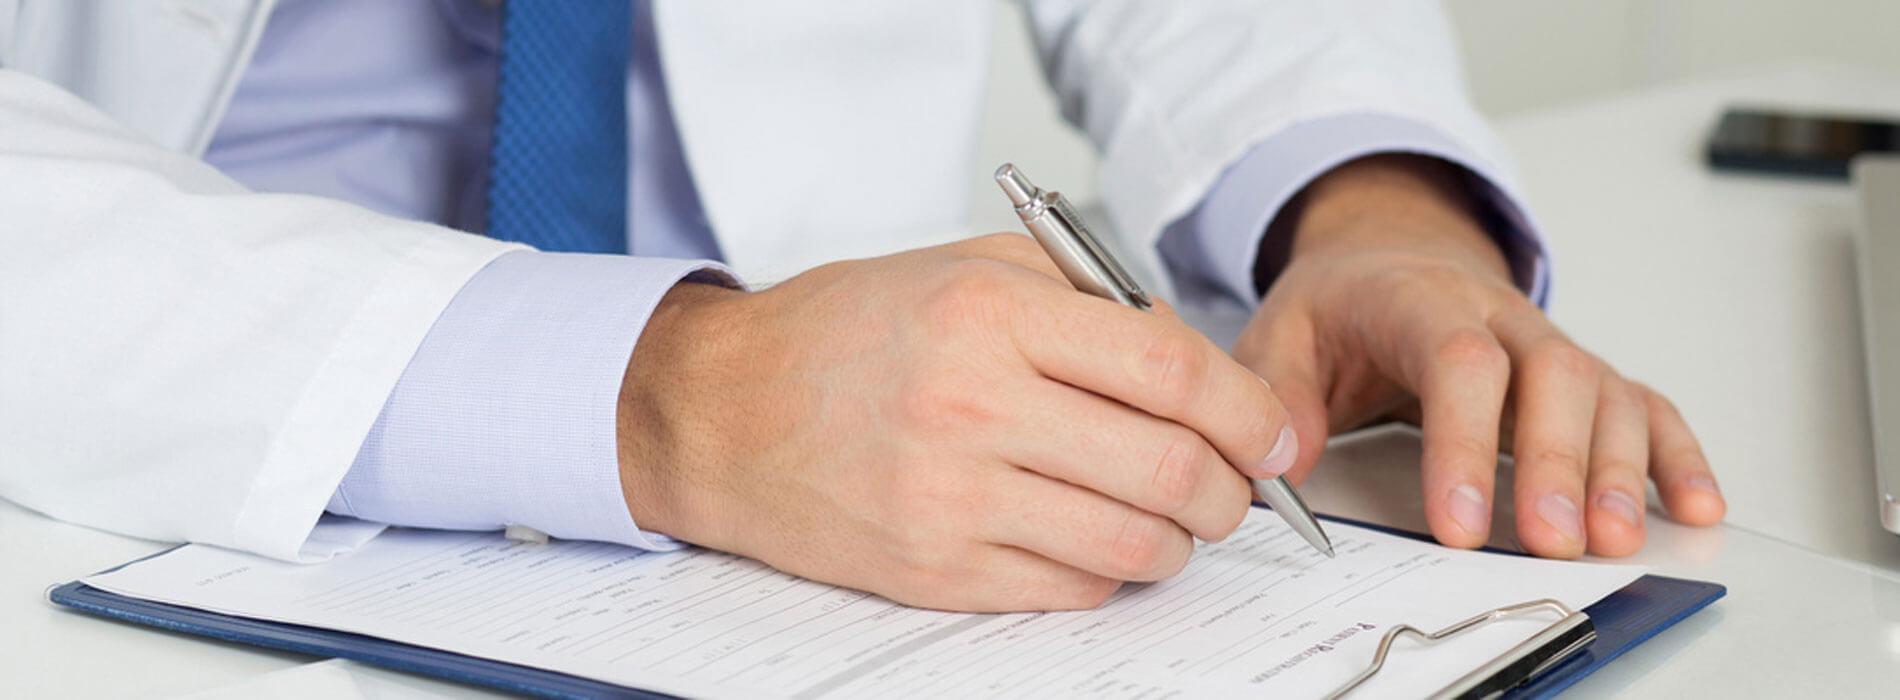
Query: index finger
[
  {"x": 1461, "y": 383},
  {"x": 1160, "y": 366}
]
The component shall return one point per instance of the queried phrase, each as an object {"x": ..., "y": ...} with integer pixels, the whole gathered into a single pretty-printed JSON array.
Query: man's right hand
[{"x": 954, "y": 427}]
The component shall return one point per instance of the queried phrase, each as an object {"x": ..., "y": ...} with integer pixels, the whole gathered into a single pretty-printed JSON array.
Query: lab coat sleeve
[
  {"x": 1174, "y": 95},
  {"x": 186, "y": 360}
]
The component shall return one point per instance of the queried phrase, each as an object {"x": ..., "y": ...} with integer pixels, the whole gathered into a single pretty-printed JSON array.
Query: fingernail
[
  {"x": 1704, "y": 482},
  {"x": 1561, "y": 513},
  {"x": 1281, "y": 458},
  {"x": 1621, "y": 505},
  {"x": 1468, "y": 509}
]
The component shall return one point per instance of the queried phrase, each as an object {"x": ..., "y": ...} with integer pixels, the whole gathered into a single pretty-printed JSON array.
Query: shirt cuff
[
  {"x": 506, "y": 413},
  {"x": 1211, "y": 252}
]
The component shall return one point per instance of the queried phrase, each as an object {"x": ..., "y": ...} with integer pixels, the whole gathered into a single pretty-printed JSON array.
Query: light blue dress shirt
[{"x": 506, "y": 414}]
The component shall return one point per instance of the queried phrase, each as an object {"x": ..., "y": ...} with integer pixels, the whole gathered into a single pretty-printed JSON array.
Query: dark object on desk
[
  {"x": 1786, "y": 143},
  {"x": 1877, "y": 255}
]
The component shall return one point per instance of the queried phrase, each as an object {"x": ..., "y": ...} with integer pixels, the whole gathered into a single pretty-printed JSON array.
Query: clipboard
[
  {"x": 1574, "y": 645},
  {"x": 1539, "y": 668}
]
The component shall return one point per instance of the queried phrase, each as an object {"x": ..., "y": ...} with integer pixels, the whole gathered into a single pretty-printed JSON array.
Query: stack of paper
[{"x": 1259, "y": 614}]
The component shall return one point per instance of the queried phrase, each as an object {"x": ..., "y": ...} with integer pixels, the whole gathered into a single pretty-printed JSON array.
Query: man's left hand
[{"x": 1394, "y": 301}]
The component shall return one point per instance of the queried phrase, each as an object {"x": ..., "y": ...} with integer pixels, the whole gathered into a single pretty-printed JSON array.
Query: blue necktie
[{"x": 557, "y": 177}]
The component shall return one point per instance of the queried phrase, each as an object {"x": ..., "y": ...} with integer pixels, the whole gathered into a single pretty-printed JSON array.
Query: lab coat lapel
[{"x": 165, "y": 69}]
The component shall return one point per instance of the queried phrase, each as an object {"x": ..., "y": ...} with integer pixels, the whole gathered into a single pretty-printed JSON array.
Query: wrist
[
  {"x": 665, "y": 439},
  {"x": 1403, "y": 204}
]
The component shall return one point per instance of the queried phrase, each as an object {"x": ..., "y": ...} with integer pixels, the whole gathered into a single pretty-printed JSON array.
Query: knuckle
[
  {"x": 1639, "y": 389},
  {"x": 937, "y": 585},
  {"x": 1419, "y": 277},
  {"x": 1473, "y": 350},
  {"x": 1659, "y": 404},
  {"x": 992, "y": 239},
  {"x": 1178, "y": 472},
  {"x": 1684, "y": 457},
  {"x": 935, "y": 404},
  {"x": 1481, "y": 451},
  {"x": 1618, "y": 468},
  {"x": 1231, "y": 515},
  {"x": 921, "y": 568},
  {"x": 1086, "y": 593},
  {"x": 1138, "y": 548},
  {"x": 1620, "y": 393},
  {"x": 1174, "y": 564},
  {"x": 1563, "y": 358},
  {"x": 1172, "y": 368},
  {"x": 1565, "y": 457},
  {"x": 967, "y": 292},
  {"x": 1096, "y": 591},
  {"x": 1013, "y": 248},
  {"x": 924, "y": 505},
  {"x": 930, "y": 555},
  {"x": 1012, "y": 242},
  {"x": 1236, "y": 516}
]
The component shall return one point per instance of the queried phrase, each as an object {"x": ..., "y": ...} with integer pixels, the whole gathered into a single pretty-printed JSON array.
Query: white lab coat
[{"x": 183, "y": 360}]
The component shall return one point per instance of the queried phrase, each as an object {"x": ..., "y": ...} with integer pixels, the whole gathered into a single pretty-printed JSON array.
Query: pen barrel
[
  {"x": 1075, "y": 250},
  {"x": 1090, "y": 267}
]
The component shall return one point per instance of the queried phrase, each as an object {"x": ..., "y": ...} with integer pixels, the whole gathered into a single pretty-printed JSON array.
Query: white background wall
[
  {"x": 1525, "y": 54},
  {"x": 1520, "y": 55}
]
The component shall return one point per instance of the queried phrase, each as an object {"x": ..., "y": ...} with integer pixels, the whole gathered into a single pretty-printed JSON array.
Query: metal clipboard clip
[{"x": 1563, "y": 639}]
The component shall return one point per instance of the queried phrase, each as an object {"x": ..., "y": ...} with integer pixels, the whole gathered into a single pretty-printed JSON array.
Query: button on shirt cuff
[
  {"x": 506, "y": 413},
  {"x": 1211, "y": 252}
]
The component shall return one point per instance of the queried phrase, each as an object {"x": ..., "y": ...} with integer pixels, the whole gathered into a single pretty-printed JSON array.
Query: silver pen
[{"x": 1088, "y": 265}]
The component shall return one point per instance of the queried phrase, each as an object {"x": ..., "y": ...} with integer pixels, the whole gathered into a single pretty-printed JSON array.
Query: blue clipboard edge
[
  {"x": 346, "y": 645},
  {"x": 1623, "y": 619}
]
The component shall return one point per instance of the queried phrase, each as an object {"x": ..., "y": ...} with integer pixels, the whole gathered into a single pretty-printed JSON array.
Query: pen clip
[
  {"x": 1052, "y": 220},
  {"x": 1117, "y": 276}
]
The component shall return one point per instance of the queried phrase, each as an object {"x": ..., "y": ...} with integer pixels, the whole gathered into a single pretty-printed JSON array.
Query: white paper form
[{"x": 1259, "y": 613}]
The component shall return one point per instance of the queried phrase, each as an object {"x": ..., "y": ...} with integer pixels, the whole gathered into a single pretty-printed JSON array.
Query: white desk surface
[{"x": 1733, "y": 295}]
